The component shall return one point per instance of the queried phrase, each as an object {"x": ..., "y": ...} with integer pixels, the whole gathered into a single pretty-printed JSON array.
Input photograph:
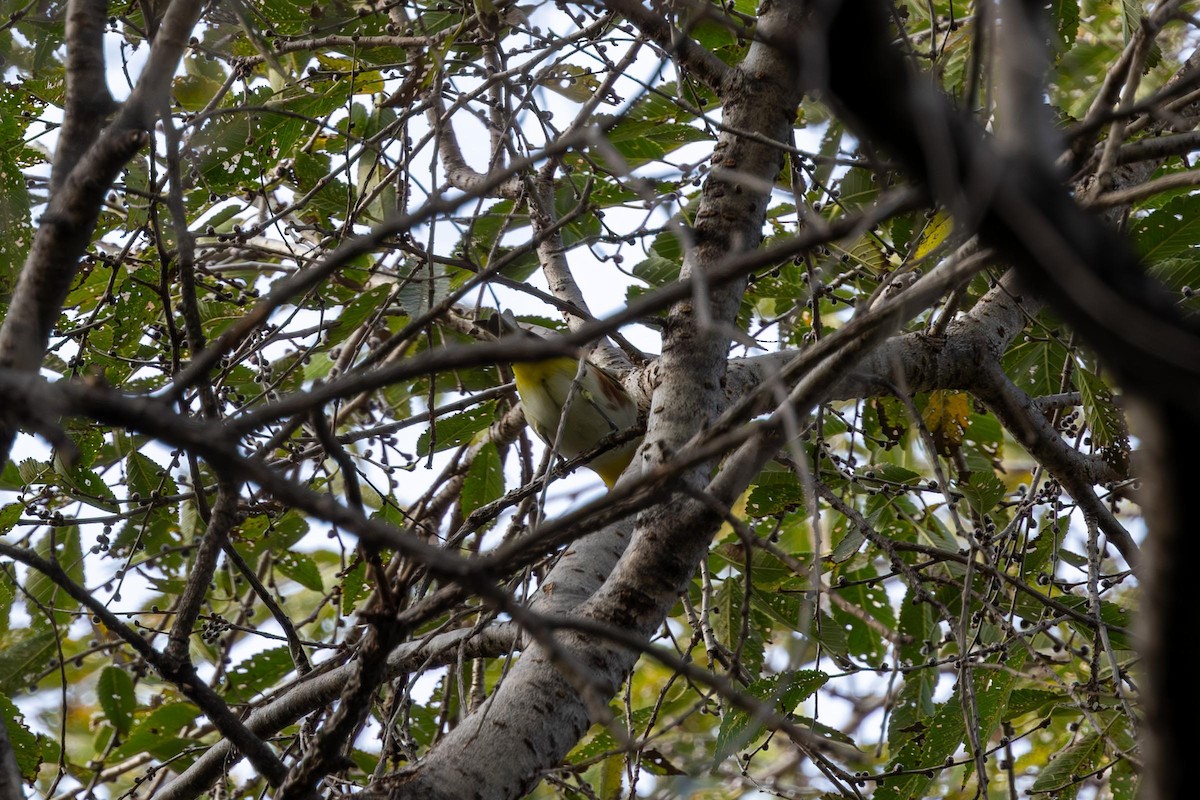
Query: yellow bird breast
[{"x": 601, "y": 407}]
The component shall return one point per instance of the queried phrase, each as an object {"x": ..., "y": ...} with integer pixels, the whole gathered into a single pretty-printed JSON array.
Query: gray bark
[{"x": 561, "y": 684}]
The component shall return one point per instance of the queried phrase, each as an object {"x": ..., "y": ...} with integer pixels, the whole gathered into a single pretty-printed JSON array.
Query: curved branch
[
  {"x": 66, "y": 227},
  {"x": 323, "y": 686},
  {"x": 183, "y": 676},
  {"x": 686, "y": 51},
  {"x": 1077, "y": 263},
  {"x": 1077, "y": 472},
  {"x": 221, "y": 522},
  {"x": 459, "y": 173}
]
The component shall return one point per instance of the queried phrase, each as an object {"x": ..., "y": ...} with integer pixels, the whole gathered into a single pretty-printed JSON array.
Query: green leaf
[
  {"x": 488, "y": 228},
  {"x": 740, "y": 634},
  {"x": 716, "y": 36},
  {"x": 662, "y": 264},
  {"x": 918, "y": 625},
  {"x": 1117, "y": 618},
  {"x": 26, "y": 745},
  {"x": 11, "y": 477},
  {"x": 656, "y": 270},
  {"x": 1065, "y": 16},
  {"x": 769, "y": 573},
  {"x": 571, "y": 81},
  {"x": 138, "y": 192},
  {"x": 114, "y": 690},
  {"x": 190, "y": 523},
  {"x": 1104, "y": 419},
  {"x": 301, "y": 568},
  {"x": 783, "y": 692},
  {"x": 856, "y": 189},
  {"x": 1132, "y": 18},
  {"x": 923, "y": 744},
  {"x": 317, "y": 367},
  {"x": 84, "y": 484},
  {"x": 422, "y": 286},
  {"x": 891, "y": 473},
  {"x": 640, "y": 141},
  {"x": 327, "y": 196},
  {"x": 1045, "y": 545},
  {"x": 1170, "y": 230},
  {"x": 258, "y": 673},
  {"x": 287, "y": 530},
  {"x": 8, "y": 595},
  {"x": 1036, "y": 365},
  {"x": 983, "y": 490},
  {"x": 775, "y": 491},
  {"x": 14, "y": 196},
  {"x": 62, "y": 545},
  {"x": 993, "y": 688},
  {"x": 32, "y": 471},
  {"x": 147, "y": 478},
  {"x": 9, "y": 516},
  {"x": 1124, "y": 781},
  {"x": 780, "y": 608},
  {"x": 1025, "y": 701},
  {"x": 354, "y": 587},
  {"x": 485, "y": 479},
  {"x": 861, "y": 252},
  {"x": 887, "y": 419},
  {"x": 870, "y": 599},
  {"x": 193, "y": 92},
  {"x": 914, "y": 707},
  {"x": 156, "y": 733},
  {"x": 1064, "y": 774},
  {"x": 601, "y": 741},
  {"x": 358, "y": 311},
  {"x": 848, "y": 546},
  {"x": 823, "y": 730},
  {"x": 23, "y": 654},
  {"x": 831, "y": 143},
  {"x": 456, "y": 429}
]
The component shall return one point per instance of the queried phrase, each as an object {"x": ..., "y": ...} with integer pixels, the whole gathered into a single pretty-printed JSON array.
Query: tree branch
[
  {"x": 537, "y": 704},
  {"x": 1081, "y": 266},
  {"x": 182, "y": 676},
  {"x": 221, "y": 522},
  {"x": 70, "y": 218},
  {"x": 693, "y": 57},
  {"x": 323, "y": 686},
  {"x": 87, "y": 101}
]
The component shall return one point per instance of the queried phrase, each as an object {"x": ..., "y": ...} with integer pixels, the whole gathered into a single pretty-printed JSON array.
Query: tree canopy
[{"x": 887, "y": 283}]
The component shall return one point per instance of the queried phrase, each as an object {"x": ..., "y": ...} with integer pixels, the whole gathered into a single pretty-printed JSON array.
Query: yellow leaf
[
  {"x": 934, "y": 234},
  {"x": 947, "y": 415}
]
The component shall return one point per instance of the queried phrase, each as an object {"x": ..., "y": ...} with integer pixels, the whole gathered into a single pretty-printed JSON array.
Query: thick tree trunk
[
  {"x": 1169, "y": 603},
  {"x": 560, "y": 685}
]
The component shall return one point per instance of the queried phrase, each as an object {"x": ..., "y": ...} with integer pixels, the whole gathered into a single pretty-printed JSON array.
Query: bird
[{"x": 599, "y": 408}]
